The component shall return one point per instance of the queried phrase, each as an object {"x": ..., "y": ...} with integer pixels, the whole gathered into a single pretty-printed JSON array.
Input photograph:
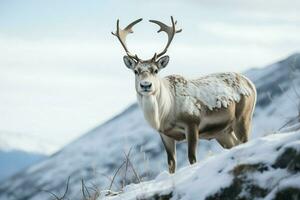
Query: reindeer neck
[{"x": 157, "y": 107}]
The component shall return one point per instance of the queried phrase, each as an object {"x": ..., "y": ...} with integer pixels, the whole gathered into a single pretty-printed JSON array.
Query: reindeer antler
[
  {"x": 170, "y": 30},
  {"x": 121, "y": 34}
]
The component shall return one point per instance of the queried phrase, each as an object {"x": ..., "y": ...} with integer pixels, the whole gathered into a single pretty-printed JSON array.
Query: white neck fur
[{"x": 157, "y": 107}]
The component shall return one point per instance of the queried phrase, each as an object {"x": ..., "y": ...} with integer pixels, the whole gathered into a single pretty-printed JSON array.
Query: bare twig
[
  {"x": 54, "y": 195},
  {"x": 133, "y": 169},
  {"x": 92, "y": 193},
  {"x": 126, "y": 168},
  {"x": 64, "y": 195},
  {"x": 85, "y": 190},
  {"x": 117, "y": 171},
  {"x": 96, "y": 191},
  {"x": 106, "y": 176}
]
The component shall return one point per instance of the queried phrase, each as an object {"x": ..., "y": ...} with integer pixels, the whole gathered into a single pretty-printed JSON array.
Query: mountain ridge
[{"x": 100, "y": 151}]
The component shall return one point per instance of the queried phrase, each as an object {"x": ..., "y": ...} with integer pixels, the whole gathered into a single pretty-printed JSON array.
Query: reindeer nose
[{"x": 145, "y": 85}]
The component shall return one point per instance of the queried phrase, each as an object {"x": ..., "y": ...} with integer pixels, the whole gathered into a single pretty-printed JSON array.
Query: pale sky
[{"x": 61, "y": 71}]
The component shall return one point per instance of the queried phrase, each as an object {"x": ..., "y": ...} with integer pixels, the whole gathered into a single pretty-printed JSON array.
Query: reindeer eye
[
  {"x": 156, "y": 71},
  {"x": 135, "y": 71}
]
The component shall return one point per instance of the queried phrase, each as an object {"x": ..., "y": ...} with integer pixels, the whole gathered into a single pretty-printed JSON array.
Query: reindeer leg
[
  {"x": 170, "y": 147},
  {"x": 192, "y": 138},
  {"x": 242, "y": 129}
]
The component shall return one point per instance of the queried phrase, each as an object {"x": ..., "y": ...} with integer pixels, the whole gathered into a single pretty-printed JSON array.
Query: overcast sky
[{"x": 61, "y": 71}]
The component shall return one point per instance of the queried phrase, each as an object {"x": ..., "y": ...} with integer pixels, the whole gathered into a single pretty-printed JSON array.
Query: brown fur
[{"x": 229, "y": 126}]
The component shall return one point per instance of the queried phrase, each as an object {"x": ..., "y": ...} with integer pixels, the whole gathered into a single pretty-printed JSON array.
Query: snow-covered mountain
[
  {"x": 18, "y": 152},
  {"x": 13, "y": 161},
  {"x": 278, "y": 88},
  {"x": 264, "y": 168},
  {"x": 98, "y": 153}
]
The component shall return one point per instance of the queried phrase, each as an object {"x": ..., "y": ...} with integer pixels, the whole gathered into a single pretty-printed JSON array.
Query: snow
[
  {"x": 278, "y": 85},
  {"x": 208, "y": 176},
  {"x": 214, "y": 91}
]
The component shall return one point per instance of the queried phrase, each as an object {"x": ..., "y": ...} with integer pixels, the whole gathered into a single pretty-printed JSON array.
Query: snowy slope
[
  {"x": 13, "y": 161},
  {"x": 278, "y": 88},
  {"x": 267, "y": 167},
  {"x": 18, "y": 152},
  {"x": 101, "y": 150}
]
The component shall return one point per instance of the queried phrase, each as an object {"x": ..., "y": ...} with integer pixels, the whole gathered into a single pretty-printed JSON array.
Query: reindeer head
[{"x": 146, "y": 79}]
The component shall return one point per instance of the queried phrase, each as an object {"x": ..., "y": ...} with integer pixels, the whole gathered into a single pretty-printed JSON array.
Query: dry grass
[{"x": 93, "y": 193}]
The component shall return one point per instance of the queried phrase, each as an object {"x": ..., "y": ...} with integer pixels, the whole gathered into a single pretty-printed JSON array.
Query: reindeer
[{"x": 217, "y": 106}]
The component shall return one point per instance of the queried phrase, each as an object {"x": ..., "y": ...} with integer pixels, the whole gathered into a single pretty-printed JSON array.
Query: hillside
[
  {"x": 278, "y": 94},
  {"x": 267, "y": 167},
  {"x": 18, "y": 152},
  {"x": 98, "y": 153},
  {"x": 13, "y": 161}
]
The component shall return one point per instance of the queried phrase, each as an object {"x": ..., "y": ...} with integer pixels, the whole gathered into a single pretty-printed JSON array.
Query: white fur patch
[
  {"x": 214, "y": 91},
  {"x": 150, "y": 108}
]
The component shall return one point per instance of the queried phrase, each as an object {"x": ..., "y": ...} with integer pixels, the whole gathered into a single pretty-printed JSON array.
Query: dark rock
[
  {"x": 289, "y": 159},
  {"x": 288, "y": 194},
  {"x": 159, "y": 197},
  {"x": 242, "y": 188},
  {"x": 245, "y": 168}
]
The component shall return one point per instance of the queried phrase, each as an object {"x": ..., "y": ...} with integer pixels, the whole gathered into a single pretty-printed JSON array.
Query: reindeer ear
[
  {"x": 163, "y": 62},
  {"x": 129, "y": 62}
]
